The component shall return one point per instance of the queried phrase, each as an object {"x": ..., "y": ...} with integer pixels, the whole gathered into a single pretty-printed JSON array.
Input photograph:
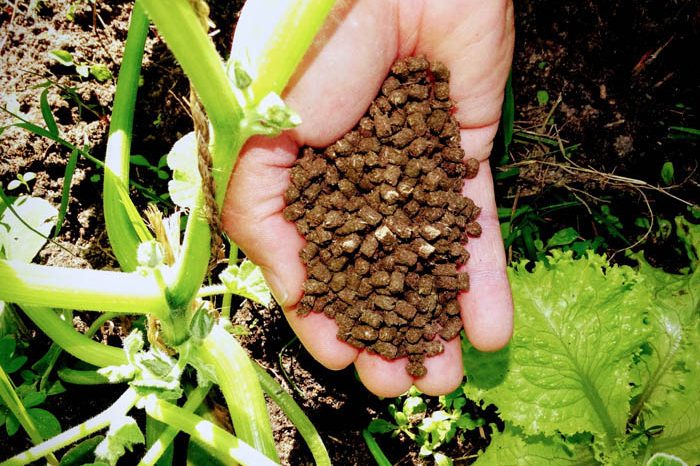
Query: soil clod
[{"x": 383, "y": 216}]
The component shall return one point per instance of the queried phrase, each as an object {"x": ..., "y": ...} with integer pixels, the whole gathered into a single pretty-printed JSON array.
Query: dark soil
[{"x": 383, "y": 215}]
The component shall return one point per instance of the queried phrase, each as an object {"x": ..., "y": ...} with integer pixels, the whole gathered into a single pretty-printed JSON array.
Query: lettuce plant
[
  {"x": 604, "y": 366},
  {"x": 163, "y": 274}
]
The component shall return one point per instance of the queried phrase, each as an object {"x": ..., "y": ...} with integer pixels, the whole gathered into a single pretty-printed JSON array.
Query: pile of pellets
[{"x": 384, "y": 219}]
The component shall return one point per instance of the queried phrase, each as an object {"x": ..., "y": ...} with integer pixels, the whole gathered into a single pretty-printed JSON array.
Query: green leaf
[
  {"x": 201, "y": 324},
  {"x": 140, "y": 160},
  {"x": 380, "y": 426},
  {"x": 61, "y": 56},
  {"x": 442, "y": 460},
  {"x": 100, "y": 72},
  {"x": 13, "y": 184},
  {"x": 123, "y": 433},
  {"x": 65, "y": 191},
  {"x": 562, "y": 237},
  {"x": 542, "y": 97},
  {"x": 664, "y": 459},
  {"x": 11, "y": 425},
  {"x": 247, "y": 280},
  {"x": 46, "y": 113},
  {"x": 667, "y": 172},
  {"x": 82, "y": 452},
  {"x": 45, "y": 422},
  {"x": 512, "y": 448},
  {"x": 566, "y": 370},
  {"x": 186, "y": 184},
  {"x": 21, "y": 243},
  {"x": 33, "y": 399}
]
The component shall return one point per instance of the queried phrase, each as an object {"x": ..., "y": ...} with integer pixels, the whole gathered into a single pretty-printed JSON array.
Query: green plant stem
[
  {"x": 77, "y": 377},
  {"x": 123, "y": 226},
  {"x": 212, "y": 290},
  {"x": 223, "y": 445},
  {"x": 295, "y": 414},
  {"x": 102, "y": 420},
  {"x": 11, "y": 400},
  {"x": 239, "y": 383},
  {"x": 98, "y": 322},
  {"x": 228, "y": 297},
  {"x": 64, "y": 335},
  {"x": 82, "y": 289},
  {"x": 179, "y": 25},
  {"x": 375, "y": 449},
  {"x": 194, "y": 399}
]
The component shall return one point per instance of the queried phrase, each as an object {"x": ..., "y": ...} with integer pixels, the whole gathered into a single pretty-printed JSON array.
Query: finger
[
  {"x": 474, "y": 39},
  {"x": 445, "y": 371},
  {"x": 384, "y": 378},
  {"x": 487, "y": 308},
  {"x": 318, "y": 335}
]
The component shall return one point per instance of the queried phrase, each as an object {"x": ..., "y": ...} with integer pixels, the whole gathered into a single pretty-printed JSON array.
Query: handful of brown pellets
[{"x": 383, "y": 216}]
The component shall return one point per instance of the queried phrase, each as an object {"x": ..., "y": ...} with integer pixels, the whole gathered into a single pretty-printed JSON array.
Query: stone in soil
[{"x": 383, "y": 215}]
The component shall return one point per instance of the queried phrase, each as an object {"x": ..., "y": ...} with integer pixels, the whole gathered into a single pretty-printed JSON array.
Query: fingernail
[{"x": 277, "y": 288}]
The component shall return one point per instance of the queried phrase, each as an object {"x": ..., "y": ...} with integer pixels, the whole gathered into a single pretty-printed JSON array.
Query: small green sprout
[
  {"x": 21, "y": 180},
  {"x": 542, "y": 97}
]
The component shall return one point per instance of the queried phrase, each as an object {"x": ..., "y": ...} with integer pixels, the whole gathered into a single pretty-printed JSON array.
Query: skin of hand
[{"x": 337, "y": 80}]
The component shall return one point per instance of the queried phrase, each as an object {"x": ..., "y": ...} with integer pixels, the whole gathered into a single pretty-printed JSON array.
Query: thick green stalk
[
  {"x": 239, "y": 384},
  {"x": 295, "y": 414},
  {"x": 102, "y": 420},
  {"x": 77, "y": 377},
  {"x": 83, "y": 289},
  {"x": 10, "y": 399},
  {"x": 165, "y": 439},
  {"x": 225, "y": 446},
  {"x": 64, "y": 335},
  {"x": 179, "y": 25},
  {"x": 125, "y": 226}
]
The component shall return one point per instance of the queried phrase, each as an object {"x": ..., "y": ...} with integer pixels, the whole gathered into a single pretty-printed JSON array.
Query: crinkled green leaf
[
  {"x": 118, "y": 374},
  {"x": 567, "y": 369},
  {"x": 247, "y": 280},
  {"x": 19, "y": 242},
  {"x": 186, "y": 184},
  {"x": 381, "y": 426},
  {"x": 512, "y": 448},
  {"x": 664, "y": 459},
  {"x": 123, "y": 433}
]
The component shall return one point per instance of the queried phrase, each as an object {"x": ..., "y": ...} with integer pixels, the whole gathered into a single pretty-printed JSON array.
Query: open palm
[{"x": 331, "y": 90}]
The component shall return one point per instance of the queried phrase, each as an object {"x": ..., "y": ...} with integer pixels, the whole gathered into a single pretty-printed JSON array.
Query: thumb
[{"x": 252, "y": 215}]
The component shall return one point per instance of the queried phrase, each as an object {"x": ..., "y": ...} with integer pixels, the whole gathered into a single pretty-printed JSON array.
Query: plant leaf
[
  {"x": 567, "y": 368},
  {"x": 100, "y": 72},
  {"x": 186, "y": 184},
  {"x": 45, "y": 422},
  {"x": 65, "y": 191},
  {"x": 562, "y": 238},
  {"x": 247, "y": 280},
  {"x": 46, "y": 113},
  {"x": 82, "y": 452},
  {"x": 664, "y": 459},
  {"x": 61, "y": 56},
  {"x": 123, "y": 433},
  {"x": 20, "y": 242},
  {"x": 512, "y": 448}
]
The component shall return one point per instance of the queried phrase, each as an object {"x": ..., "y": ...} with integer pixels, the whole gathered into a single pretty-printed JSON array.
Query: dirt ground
[{"x": 619, "y": 76}]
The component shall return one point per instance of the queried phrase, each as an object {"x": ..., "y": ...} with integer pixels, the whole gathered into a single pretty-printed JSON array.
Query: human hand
[{"x": 331, "y": 90}]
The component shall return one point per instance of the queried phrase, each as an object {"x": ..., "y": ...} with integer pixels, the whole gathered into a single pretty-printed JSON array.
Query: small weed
[
  {"x": 430, "y": 431},
  {"x": 97, "y": 70},
  {"x": 21, "y": 180},
  {"x": 667, "y": 172},
  {"x": 542, "y": 97},
  {"x": 29, "y": 393},
  {"x": 160, "y": 169}
]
